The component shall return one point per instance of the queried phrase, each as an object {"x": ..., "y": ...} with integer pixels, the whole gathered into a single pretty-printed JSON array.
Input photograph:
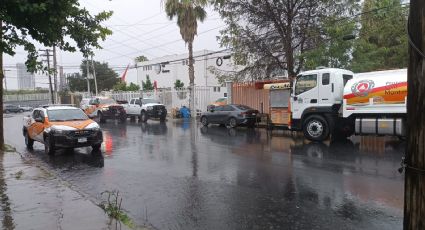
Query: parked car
[
  {"x": 103, "y": 108},
  {"x": 12, "y": 109},
  {"x": 61, "y": 127},
  {"x": 145, "y": 109},
  {"x": 26, "y": 108},
  {"x": 230, "y": 115}
]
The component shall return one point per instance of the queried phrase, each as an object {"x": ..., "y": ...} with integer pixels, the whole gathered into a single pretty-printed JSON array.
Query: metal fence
[
  {"x": 26, "y": 97},
  {"x": 173, "y": 98}
]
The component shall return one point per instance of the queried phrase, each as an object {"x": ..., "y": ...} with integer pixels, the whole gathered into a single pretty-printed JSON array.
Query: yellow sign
[{"x": 274, "y": 86}]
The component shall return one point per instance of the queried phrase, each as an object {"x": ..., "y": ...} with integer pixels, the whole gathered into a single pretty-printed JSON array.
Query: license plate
[{"x": 82, "y": 140}]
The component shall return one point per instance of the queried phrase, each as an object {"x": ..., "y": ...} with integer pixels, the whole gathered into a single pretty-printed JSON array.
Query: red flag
[
  {"x": 125, "y": 73},
  {"x": 155, "y": 85}
]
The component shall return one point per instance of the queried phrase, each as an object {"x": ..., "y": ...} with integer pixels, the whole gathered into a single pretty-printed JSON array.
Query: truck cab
[
  {"x": 316, "y": 98},
  {"x": 145, "y": 108}
]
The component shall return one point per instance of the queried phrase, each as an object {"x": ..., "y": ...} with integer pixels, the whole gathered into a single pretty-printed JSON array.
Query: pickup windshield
[
  {"x": 149, "y": 101},
  {"x": 66, "y": 115}
]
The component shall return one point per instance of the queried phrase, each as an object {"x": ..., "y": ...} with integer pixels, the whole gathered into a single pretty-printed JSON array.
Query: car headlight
[
  {"x": 105, "y": 109},
  {"x": 149, "y": 108}
]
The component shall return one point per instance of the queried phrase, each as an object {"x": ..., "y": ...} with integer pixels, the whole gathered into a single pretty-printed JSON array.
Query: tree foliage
[
  {"x": 178, "y": 84},
  {"x": 147, "y": 86},
  {"x": 106, "y": 78},
  {"x": 122, "y": 86},
  {"x": 382, "y": 42},
  {"x": 188, "y": 13},
  {"x": 141, "y": 58},
  {"x": 270, "y": 36},
  {"x": 50, "y": 23}
]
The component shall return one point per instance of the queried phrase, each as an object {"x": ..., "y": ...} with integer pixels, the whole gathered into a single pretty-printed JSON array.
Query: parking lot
[{"x": 180, "y": 175}]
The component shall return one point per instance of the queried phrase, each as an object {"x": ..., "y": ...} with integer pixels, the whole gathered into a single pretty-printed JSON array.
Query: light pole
[{"x": 4, "y": 77}]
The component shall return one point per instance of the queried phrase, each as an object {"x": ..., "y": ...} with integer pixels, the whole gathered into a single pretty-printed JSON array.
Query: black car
[
  {"x": 230, "y": 115},
  {"x": 12, "y": 109}
]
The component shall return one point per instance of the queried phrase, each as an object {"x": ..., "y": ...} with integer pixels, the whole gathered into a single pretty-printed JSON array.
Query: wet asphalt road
[{"x": 178, "y": 175}]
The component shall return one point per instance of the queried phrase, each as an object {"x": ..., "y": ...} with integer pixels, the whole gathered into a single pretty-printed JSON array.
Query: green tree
[
  {"x": 133, "y": 87},
  {"x": 141, "y": 58},
  {"x": 51, "y": 23},
  {"x": 106, "y": 78},
  {"x": 178, "y": 84},
  {"x": 120, "y": 86},
  {"x": 188, "y": 13},
  {"x": 332, "y": 50},
  {"x": 76, "y": 82},
  {"x": 267, "y": 37},
  {"x": 382, "y": 42},
  {"x": 148, "y": 84}
]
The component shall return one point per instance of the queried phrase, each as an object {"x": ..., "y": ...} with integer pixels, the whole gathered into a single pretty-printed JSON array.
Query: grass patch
[
  {"x": 19, "y": 174},
  {"x": 112, "y": 207},
  {"x": 9, "y": 148}
]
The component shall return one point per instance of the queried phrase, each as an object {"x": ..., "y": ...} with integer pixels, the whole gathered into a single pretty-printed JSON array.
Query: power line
[{"x": 164, "y": 44}]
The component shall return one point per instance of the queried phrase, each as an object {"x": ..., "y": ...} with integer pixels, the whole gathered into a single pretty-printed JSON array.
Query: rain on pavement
[{"x": 180, "y": 175}]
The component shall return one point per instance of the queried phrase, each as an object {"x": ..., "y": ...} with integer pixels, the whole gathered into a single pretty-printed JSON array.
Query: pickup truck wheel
[
  {"x": 49, "y": 148},
  {"x": 204, "y": 121},
  {"x": 101, "y": 117},
  {"x": 162, "y": 118},
  {"x": 28, "y": 141},
  {"x": 143, "y": 116},
  {"x": 316, "y": 128},
  {"x": 21, "y": 110}
]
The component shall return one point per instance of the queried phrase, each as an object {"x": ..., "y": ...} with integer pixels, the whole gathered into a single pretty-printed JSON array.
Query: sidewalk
[{"x": 32, "y": 198}]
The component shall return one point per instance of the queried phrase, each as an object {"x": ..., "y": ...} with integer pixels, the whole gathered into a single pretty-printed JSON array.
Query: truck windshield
[
  {"x": 66, "y": 115},
  {"x": 149, "y": 101},
  {"x": 305, "y": 83}
]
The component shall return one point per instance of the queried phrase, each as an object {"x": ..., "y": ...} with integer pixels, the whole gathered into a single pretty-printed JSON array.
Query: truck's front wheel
[{"x": 316, "y": 128}]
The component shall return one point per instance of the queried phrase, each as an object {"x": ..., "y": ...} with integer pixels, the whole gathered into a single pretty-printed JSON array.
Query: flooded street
[{"x": 179, "y": 175}]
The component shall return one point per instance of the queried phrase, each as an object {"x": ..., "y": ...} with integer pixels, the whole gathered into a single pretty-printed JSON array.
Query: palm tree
[{"x": 188, "y": 13}]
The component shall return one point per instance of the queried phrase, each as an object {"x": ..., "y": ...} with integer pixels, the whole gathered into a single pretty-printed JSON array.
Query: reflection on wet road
[{"x": 177, "y": 175}]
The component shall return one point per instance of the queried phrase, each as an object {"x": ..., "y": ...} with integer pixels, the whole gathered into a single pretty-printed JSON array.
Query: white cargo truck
[{"x": 336, "y": 102}]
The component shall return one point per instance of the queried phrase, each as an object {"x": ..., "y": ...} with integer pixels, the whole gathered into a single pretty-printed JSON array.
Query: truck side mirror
[{"x": 39, "y": 119}]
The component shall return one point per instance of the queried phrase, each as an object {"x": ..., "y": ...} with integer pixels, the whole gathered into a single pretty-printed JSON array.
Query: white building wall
[
  {"x": 26, "y": 80},
  {"x": 179, "y": 69}
]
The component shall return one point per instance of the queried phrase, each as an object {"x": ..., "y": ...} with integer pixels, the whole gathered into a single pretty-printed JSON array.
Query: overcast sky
[{"x": 140, "y": 27}]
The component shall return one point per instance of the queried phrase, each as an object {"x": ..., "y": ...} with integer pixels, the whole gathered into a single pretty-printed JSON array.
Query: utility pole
[
  {"x": 48, "y": 55},
  {"x": 4, "y": 77},
  {"x": 88, "y": 72},
  {"x": 55, "y": 74},
  {"x": 414, "y": 164},
  {"x": 94, "y": 74}
]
